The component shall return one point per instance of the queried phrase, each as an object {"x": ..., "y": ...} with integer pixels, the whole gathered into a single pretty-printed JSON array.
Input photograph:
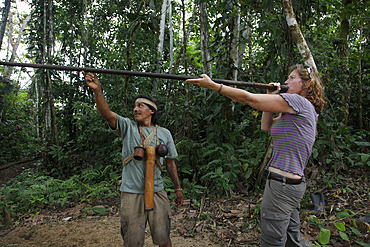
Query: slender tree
[
  {"x": 343, "y": 55},
  {"x": 4, "y": 20},
  {"x": 9, "y": 70},
  {"x": 49, "y": 108},
  {"x": 170, "y": 25},
  {"x": 360, "y": 77},
  {"x": 204, "y": 38},
  {"x": 132, "y": 34},
  {"x": 234, "y": 45},
  {"x": 162, "y": 29},
  {"x": 40, "y": 43},
  {"x": 297, "y": 35}
]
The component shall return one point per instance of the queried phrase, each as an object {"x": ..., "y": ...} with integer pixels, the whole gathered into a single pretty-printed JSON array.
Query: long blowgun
[{"x": 284, "y": 88}]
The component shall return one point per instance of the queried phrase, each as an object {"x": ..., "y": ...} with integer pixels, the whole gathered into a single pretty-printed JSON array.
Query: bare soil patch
[
  {"x": 99, "y": 231},
  {"x": 231, "y": 221}
]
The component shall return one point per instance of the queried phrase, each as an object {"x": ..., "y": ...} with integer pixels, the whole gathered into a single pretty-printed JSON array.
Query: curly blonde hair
[{"x": 315, "y": 92}]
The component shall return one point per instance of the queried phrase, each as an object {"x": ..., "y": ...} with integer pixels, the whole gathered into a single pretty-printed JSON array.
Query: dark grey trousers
[{"x": 280, "y": 224}]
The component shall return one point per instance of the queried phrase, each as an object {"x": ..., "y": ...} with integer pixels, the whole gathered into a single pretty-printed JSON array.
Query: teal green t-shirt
[{"x": 133, "y": 173}]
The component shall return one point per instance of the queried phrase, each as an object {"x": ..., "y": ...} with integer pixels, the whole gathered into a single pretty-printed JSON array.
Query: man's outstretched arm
[{"x": 101, "y": 104}]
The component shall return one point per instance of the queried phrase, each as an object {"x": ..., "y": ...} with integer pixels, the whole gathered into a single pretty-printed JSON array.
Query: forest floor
[{"x": 229, "y": 221}]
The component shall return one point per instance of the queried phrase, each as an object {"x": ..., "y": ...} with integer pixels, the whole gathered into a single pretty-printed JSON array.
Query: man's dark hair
[{"x": 155, "y": 114}]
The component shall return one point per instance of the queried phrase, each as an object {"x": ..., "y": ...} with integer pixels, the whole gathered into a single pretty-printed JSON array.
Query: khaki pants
[
  {"x": 280, "y": 223},
  {"x": 134, "y": 219}
]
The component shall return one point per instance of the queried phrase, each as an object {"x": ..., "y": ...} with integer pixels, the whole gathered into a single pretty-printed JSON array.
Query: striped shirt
[{"x": 294, "y": 135}]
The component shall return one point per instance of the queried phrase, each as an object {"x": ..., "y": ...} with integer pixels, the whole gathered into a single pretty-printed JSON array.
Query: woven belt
[{"x": 280, "y": 178}]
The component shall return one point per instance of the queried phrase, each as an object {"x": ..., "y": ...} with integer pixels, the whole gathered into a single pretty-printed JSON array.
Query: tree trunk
[
  {"x": 160, "y": 44},
  {"x": 171, "y": 33},
  {"x": 343, "y": 55},
  {"x": 46, "y": 102},
  {"x": 2, "y": 31},
  {"x": 229, "y": 105},
  {"x": 234, "y": 46},
  {"x": 4, "y": 20},
  {"x": 204, "y": 38},
  {"x": 2, "y": 104},
  {"x": 133, "y": 27},
  {"x": 181, "y": 56},
  {"x": 162, "y": 30},
  {"x": 297, "y": 35},
  {"x": 9, "y": 70},
  {"x": 50, "y": 50},
  {"x": 360, "y": 78},
  {"x": 37, "y": 106},
  {"x": 182, "y": 51},
  {"x": 244, "y": 43},
  {"x": 49, "y": 110},
  {"x": 185, "y": 41},
  {"x": 10, "y": 36}
]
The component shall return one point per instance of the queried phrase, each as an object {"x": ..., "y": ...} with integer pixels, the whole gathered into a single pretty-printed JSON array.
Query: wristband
[{"x": 219, "y": 90}]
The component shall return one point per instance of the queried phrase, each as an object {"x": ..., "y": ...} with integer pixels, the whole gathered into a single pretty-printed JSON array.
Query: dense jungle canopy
[{"x": 51, "y": 115}]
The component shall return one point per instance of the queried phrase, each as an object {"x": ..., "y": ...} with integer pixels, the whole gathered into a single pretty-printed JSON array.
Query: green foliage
[
  {"x": 219, "y": 142},
  {"x": 226, "y": 166},
  {"x": 98, "y": 210},
  {"x": 32, "y": 191},
  {"x": 17, "y": 126},
  {"x": 340, "y": 148},
  {"x": 6, "y": 87},
  {"x": 324, "y": 236}
]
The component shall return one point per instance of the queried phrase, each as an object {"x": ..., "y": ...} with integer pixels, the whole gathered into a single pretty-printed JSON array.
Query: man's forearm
[
  {"x": 103, "y": 107},
  {"x": 172, "y": 173}
]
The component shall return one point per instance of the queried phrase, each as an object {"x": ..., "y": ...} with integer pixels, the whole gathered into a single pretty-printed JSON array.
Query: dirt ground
[
  {"x": 75, "y": 227},
  {"x": 231, "y": 221},
  {"x": 100, "y": 231},
  {"x": 71, "y": 227}
]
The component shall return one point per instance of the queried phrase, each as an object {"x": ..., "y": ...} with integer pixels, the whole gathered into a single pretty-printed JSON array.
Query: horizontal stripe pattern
[{"x": 294, "y": 135}]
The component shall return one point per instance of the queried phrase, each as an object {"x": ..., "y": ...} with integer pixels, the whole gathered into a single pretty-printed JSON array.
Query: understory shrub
[{"x": 32, "y": 190}]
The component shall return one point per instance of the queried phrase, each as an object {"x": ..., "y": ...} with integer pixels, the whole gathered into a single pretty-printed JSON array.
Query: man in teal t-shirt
[{"x": 144, "y": 130}]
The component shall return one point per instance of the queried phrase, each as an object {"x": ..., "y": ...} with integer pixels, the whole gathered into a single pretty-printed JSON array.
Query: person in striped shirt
[{"x": 293, "y": 133}]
